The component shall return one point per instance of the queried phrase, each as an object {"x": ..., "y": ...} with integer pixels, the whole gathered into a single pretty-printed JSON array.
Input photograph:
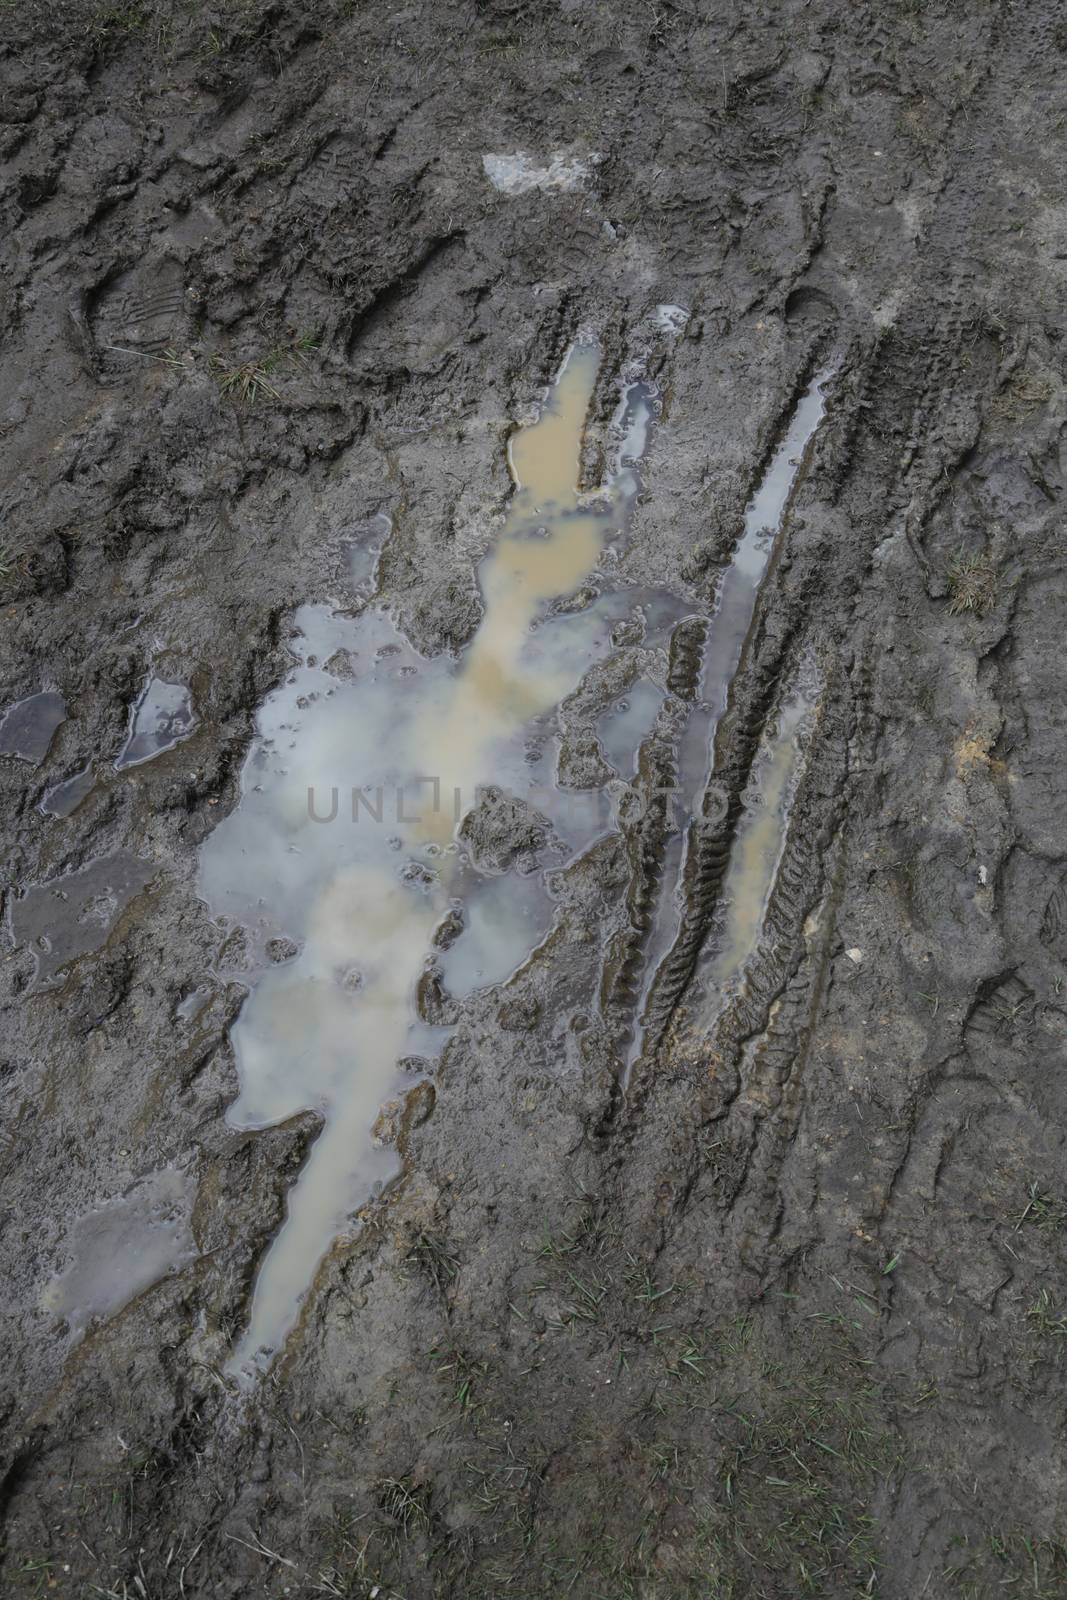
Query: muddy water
[
  {"x": 63, "y": 799},
  {"x": 27, "y": 729},
  {"x": 160, "y": 719},
  {"x": 734, "y": 609},
  {"x": 623, "y": 727},
  {"x": 758, "y": 846},
  {"x": 123, "y": 1248},
  {"x": 362, "y": 827},
  {"x": 71, "y": 916}
]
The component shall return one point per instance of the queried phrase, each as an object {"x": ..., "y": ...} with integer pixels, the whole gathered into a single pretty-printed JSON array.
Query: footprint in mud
[
  {"x": 141, "y": 312},
  {"x": 332, "y": 176},
  {"x": 348, "y": 837}
]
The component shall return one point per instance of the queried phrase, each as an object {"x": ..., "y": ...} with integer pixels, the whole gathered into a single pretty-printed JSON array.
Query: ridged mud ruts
[
  {"x": 746, "y": 648},
  {"x": 707, "y": 854},
  {"x": 744, "y": 1076},
  {"x": 844, "y": 426},
  {"x": 813, "y": 819},
  {"x": 686, "y": 657},
  {"x": 645, "y": 830}
]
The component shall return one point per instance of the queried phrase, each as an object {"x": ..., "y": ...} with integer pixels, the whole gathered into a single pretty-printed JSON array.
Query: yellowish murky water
[
  {"x": 758, "y": 846},
  {"x": 548, "y": 547},
  {"x": 389, "y": 756}
]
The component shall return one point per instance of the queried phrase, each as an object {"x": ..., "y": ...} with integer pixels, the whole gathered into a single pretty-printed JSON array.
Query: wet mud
[{"x": 535, "y": 916}]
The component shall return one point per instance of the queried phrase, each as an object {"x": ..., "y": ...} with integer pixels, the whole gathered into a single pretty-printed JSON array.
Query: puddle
[
  {"x": 735, "y": 607},
  {"x": 505, "y": 919},
  {"x": 28, "y": 727},
  {"x": 161, "y": 718},
  {"x": 122, "y": 1248},
  {"x": 72, "y": 916},
  {"x": 364, "y": 546},
  {"x": 764, "y": 516},
  {"x": 623, "y": 728},
  {"x": 63, "y": 799},
  {"x": 398, "y": 798},
  {"x": 671, "y": 319},
  {"x": 190, "y": 1006},
  {"x": 758, "y": 847},
  {"x": 520, "y": 173}
]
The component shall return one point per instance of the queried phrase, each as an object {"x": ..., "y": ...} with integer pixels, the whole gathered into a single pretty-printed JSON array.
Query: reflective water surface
[
  {"x": 28, "y": 727},
  {"x": 735, "y": 606},
  {"x": 375, "y": 807},
  {"x": 122, "y": 1248},
  {"x": 160, "y": 719}
]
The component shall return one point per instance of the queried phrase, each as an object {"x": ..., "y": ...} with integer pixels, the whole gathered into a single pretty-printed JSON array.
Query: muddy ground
[{"x": 788, "y": 1317}]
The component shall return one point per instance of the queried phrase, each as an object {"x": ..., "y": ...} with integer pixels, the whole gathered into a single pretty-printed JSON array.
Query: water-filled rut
[{"x": 674, "y": 927}]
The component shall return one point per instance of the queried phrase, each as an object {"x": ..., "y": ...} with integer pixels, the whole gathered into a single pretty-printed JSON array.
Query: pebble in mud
[
  {"x": 281, "y": 949},
  {"x": 449, "y": 929}
]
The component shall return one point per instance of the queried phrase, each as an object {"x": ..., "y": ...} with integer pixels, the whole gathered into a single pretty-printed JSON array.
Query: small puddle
[
  {"x": 503, "y": 921},
  {"x": 397, "y": 799},
  {"x": 28, "y": 727},
  {"x": 736, "y": 601},
  {"x": 123, "y": 1248},
  {"x": 63, "y": 799},
  {"x": 757, "y": 847},
  {"x": 72, "y": 916},
  {"x": 190, "y": 1005},
  {"x": 731, "y": 620},
  {"x": 520, "y": 173},
  {"x": 671, "y": 319},
  {"x": 161, "y": 718},
  {"x": 623, "y": 728}
]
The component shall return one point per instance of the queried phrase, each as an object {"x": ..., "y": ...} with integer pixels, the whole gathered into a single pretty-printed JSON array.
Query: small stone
[{"x": 855, "y": 955}]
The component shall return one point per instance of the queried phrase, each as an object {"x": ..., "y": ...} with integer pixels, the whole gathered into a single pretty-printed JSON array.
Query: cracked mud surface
[{"x": 687, "y": 1287}]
